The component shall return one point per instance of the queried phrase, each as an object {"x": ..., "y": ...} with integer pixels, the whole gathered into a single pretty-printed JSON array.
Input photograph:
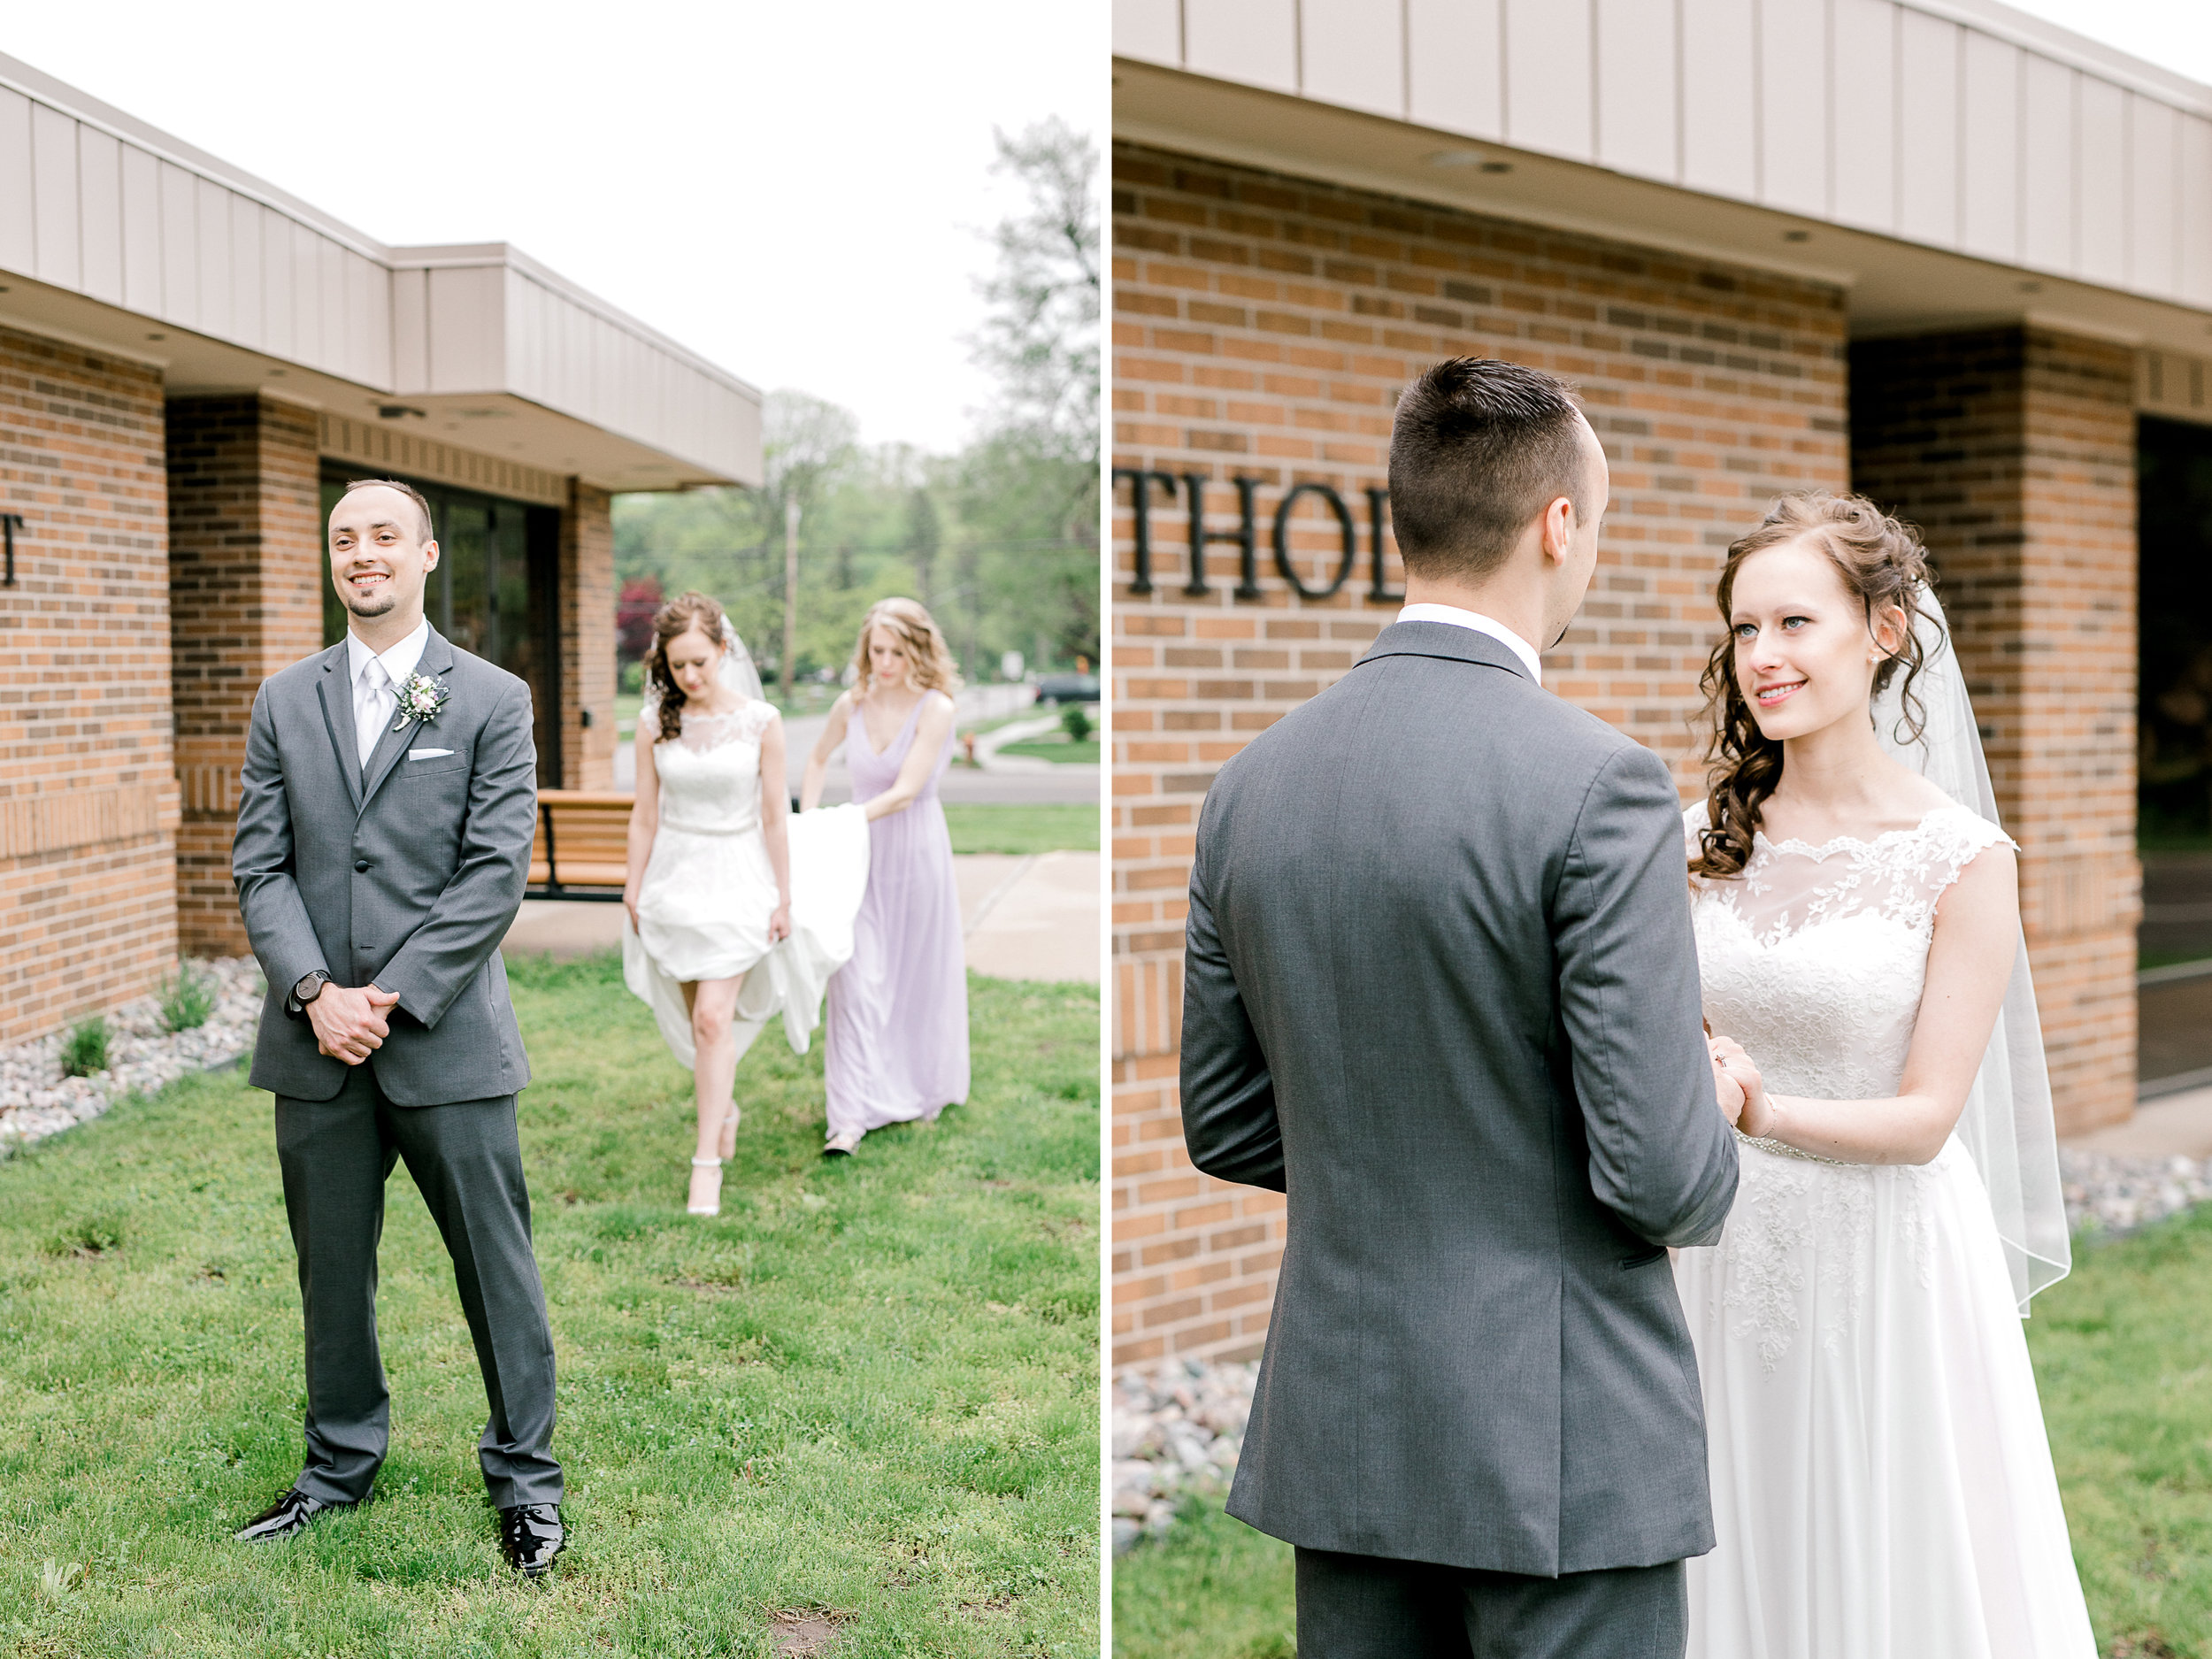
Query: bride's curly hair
[
  {"x": 678, "y": 616},
  {"x": 1885, "y": 566}
]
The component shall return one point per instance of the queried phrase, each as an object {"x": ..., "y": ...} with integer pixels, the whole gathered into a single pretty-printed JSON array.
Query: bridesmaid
[{"x": 898, "y": 1011}]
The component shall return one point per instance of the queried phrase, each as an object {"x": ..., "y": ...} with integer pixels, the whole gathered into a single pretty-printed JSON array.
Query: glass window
[{"x": 493, "y": 594}]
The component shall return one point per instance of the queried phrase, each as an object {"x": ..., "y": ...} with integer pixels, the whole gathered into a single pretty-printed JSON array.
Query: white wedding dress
[
  {"x": 1882, "y": 1482},
  {"x": 709, "y": 888}
]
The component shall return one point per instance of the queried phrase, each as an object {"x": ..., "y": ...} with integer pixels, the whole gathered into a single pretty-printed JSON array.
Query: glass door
[{"x": 495, "y": 593}]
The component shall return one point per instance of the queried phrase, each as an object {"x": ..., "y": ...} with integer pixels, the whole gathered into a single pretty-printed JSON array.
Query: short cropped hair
[
  {"x": 422, "y": 505},
  {"x": 1479, "y": 449}
]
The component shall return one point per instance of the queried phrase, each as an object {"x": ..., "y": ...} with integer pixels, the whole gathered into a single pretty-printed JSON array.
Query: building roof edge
[{"x": 2055, "y": 41}]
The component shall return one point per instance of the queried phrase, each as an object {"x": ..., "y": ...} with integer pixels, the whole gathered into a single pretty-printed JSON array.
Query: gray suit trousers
[
  {"x": 466, "y": 1159},
  {"x": 1372, "y": 1607}
]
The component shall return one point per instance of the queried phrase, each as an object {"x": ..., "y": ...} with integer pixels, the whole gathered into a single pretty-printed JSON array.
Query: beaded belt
[{"x": 1783, "y": 1149}]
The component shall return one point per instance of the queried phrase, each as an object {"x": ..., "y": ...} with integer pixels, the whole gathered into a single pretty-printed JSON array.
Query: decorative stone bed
[{"x": 37, "y": 1101}]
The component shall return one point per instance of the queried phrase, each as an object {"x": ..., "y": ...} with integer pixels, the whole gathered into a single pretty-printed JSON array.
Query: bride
[
  {"x": 1882, "y": 1485},
  {"x": 737, "y": 911}
]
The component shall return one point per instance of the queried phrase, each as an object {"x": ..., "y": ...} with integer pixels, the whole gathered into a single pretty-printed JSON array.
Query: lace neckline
[
  {"x": 1819, "y": 851},
  {"x": 700, "y": 733}
]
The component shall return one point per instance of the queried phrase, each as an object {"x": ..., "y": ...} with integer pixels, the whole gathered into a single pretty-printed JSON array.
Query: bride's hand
[
  {"x": 1756, "y": 1115},
  {"x": 1727, "y": 1093},
  {"x": 779, "y": 923},
  {"x": 629, "y": 903}
]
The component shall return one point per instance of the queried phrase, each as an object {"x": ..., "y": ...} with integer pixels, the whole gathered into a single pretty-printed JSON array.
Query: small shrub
[
  {"x": 188, "y": 997},
  {"x": 85, "y": 1050},
  {"x": 1075, "y": 723}
]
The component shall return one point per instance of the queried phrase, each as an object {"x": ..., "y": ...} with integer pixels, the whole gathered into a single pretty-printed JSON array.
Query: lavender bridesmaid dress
[{"x": 898, "y": 1009}]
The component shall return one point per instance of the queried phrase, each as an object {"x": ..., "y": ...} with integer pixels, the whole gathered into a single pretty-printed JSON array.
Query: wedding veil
[
  {"x": 737, "y": 672},
  {"x": 2008, "y": 1126}
]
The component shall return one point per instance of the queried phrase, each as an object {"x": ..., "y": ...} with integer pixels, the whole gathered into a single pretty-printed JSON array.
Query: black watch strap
[{"x": 310, "y": 988}]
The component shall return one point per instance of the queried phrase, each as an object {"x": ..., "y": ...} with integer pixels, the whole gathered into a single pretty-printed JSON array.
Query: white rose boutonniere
[{"x": 422, "y": 698}]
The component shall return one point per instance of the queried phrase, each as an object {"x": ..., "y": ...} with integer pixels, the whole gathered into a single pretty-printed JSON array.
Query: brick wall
[
  {"x": 88, "y": 791},
  {"x": 588, "y": 668},
  {"x": 246, "y": 575},
  {"x": 2014, "y": 451},
  {"x": 1263, "y": 327}
]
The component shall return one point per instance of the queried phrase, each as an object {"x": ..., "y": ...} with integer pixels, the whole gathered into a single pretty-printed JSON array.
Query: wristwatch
[{"x": 310, "y": 988}]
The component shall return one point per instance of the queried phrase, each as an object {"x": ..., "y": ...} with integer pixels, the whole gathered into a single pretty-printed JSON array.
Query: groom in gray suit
[
  {"x": 1442, "y": 991},
  {"x": 388, "y": 802}
]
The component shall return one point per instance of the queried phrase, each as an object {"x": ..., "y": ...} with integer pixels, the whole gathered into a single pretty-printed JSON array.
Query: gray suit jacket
[
  {"x": 1442, "y": 991},
  {"x": 407, "y": 879}
]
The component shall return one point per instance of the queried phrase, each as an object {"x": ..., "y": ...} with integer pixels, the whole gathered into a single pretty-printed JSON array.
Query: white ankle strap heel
[{"x": 714, "y": 1209}]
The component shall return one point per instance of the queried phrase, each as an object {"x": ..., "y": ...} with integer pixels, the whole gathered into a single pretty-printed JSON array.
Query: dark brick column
[
  {"x": 2014, "y": 449},
  {"x": 246, "y": 570}
]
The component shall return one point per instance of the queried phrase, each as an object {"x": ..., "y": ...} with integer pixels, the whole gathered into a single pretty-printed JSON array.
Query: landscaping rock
[
  {"x": 1177, "y": 1431},
  {"x": 37, "y": 1101},
  {"x": 2107, "y": 1195}
]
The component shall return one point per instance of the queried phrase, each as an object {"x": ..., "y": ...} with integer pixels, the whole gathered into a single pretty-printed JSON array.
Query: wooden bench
[{"x": 582, "y": 849}]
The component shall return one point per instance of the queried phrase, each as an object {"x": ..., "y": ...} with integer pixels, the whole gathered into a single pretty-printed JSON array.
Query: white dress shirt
[
  {"x": 1480, "y": 624},
  {"x": 376, "y": 695}
]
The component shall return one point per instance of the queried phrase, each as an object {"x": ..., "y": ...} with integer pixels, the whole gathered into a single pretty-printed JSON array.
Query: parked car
[{"x": 1067, "y": 689}]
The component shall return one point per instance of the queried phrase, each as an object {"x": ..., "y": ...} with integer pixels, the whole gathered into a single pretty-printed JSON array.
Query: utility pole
[{"x": 790, "y": 594}]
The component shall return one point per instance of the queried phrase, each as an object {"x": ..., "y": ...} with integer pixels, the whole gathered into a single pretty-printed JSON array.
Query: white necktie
[{"x": 374, "y": 706}]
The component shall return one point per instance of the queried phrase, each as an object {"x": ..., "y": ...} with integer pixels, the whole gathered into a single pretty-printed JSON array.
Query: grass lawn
[
  {"x": 1212, "y": 1588},
  {"x": 1065, "y": 751},
  {"x": 979, "y": 827},
  {"x": 866, "y": 1391},
  {"x": 2123, "y": 1354}
]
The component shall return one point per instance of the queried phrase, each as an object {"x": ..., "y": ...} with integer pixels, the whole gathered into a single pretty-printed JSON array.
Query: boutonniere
[{"x": 420, "y": 699}]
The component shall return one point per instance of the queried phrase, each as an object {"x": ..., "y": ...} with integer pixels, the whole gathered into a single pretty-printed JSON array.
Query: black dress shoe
[
  {"x": 287, "y": 1517},
  {"x": 530, "y": 1535}
]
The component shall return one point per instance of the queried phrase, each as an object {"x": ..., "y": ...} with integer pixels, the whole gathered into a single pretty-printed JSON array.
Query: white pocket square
[{"x": 426, "y": 754}]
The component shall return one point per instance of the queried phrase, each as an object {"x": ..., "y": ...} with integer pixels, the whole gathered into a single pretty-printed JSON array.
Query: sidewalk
[
  {"x": 2172, "y": 1126},
  {"x": 1012, "y": 780},
  {"x": 1033, "y": 918}
]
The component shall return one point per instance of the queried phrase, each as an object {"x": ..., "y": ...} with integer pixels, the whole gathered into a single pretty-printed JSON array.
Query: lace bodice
[
  {"x": 1815, "y": 957},
  {"x": 710, "y": 775}
]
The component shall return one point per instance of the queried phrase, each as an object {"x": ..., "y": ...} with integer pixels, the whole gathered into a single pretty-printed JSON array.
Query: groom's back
[{"x": 1441, "y": 948}]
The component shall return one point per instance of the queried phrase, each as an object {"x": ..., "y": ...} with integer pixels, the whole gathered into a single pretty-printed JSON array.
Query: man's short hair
[
  {"x": 422, "y": 505},
  {"x": 1479, "y": 449}
]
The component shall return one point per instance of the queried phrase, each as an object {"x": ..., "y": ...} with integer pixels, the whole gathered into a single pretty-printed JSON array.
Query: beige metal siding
[
  {"x": 1452, "y": 66},
  {"x": 1720, "y": 144},
  {"x": 1544, "y": 109},
  {"x": 91, "y": 204},
  {"x": 1354, "y": 52},
  {"x": 1989, "y": 193},
  {"x": 1639, "y": 119},
  {"x": 1862, "y": 108},
  {"x": 1252, "y": 40},
  {"x": 1953, "y": 124},
  {"x": 1794, "y": 104},
  {"x": 1928, "y": 130}
]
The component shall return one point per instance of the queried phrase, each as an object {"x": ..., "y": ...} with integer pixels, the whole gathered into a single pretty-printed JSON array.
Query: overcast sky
[
  {"x": 791, "y": 189},
  {"x": 2175, "y": 34}
]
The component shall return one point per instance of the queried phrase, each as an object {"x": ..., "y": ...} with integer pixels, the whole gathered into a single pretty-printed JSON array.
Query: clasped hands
[
  {"x": 1737, "y": 1085},
  {"x": 350, "y": 1022}
]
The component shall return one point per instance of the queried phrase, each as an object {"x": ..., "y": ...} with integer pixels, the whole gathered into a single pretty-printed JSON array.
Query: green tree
[
  {"x": 1041, "y": 338},
  {"x": 1011, "y": 521},
  {"x": 925, "y": 534}
]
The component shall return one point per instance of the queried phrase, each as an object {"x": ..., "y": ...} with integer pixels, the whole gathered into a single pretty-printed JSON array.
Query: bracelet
[{"x": 1784, "y": 1150}]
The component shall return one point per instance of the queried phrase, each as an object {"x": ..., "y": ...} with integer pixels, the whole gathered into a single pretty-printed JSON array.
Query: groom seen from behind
[
  {"x": 1442, "y": 990},
  {"x": 386, "y": 815}
]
